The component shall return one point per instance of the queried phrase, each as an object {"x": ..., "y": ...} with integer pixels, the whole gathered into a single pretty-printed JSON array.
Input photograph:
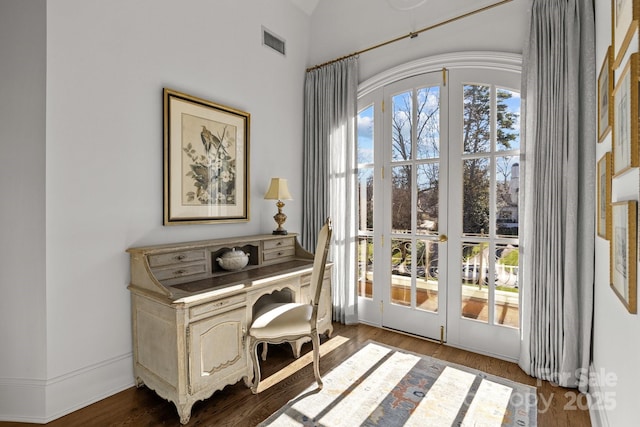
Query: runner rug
[{"x": 385, "y": 386}]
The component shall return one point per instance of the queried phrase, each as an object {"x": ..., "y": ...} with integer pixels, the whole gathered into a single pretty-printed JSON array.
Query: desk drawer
[
  {"x": 277, "y": 254},
  {"x": 176, "y": 257},
  {"x": 285, "y": 242},
  {"x": 213, "y": 306},
  {"x": 179, "y": 271}
]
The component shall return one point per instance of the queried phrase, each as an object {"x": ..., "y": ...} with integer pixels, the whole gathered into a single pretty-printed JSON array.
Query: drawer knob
[
  {"x": 178, "y": 272},
  {"x": 279, "y": 243},
  {"x": 181, "y": 257}
]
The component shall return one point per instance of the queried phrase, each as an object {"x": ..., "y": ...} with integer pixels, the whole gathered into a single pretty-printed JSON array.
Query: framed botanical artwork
[
  {"x": 624, "y": 23},
  {"x": 604, "y": 196},
  {"x": 624, "y": 259},
  {"x": 206, "y": 161},
  {"x": 605, "y": 89},
  {"x": 625, "y": 118}
]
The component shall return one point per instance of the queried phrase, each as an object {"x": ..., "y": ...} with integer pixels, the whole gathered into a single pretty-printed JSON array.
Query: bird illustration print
[
  {"x": 208, "y": 139},
  {"x": 214, "y": 172}
]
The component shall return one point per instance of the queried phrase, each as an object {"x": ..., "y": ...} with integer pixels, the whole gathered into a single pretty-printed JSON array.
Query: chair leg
[
  {"x": 296, "y": 346},
  {"x": 265, "y": 347},
  {"x": 315, "y": 340},
  {"x": 256, "y": 367}
]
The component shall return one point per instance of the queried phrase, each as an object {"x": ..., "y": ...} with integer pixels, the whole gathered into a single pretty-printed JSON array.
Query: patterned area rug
[{"x": 385, "y": 386}]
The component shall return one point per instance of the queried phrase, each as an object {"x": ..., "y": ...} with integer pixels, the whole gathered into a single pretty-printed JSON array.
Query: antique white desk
[{"x": 190, "y": 317}]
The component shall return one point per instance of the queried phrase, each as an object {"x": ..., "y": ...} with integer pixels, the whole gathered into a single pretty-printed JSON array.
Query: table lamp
[{"x": 278, "y": 190}]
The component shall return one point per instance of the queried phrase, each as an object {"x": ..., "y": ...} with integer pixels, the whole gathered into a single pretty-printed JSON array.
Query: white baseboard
[
  {"x": 22, "y": 400},
  {"x": 40, "y": 401},
  {"x": 597, "y": 412}
]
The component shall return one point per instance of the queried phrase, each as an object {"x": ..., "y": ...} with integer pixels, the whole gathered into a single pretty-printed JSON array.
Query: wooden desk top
[
  {"x": 188, "y": 272},
  {"x": 245, "y": 277}
]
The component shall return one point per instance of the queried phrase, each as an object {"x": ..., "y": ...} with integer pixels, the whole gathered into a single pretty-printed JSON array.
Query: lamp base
[{"x": 280, "y": 218}]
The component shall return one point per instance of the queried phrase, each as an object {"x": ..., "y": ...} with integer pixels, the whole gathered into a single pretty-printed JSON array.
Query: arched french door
[{"x": 438, "y": 168}]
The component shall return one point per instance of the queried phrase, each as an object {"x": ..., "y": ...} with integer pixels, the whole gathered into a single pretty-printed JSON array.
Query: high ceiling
[{"x": 306, "y": 5}]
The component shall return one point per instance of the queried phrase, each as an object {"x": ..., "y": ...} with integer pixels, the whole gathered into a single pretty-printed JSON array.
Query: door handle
[{"x": 443, "y": 238}]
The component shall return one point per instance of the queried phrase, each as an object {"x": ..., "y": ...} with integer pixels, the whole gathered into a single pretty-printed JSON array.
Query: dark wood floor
[{"x": 237, "y": 406}]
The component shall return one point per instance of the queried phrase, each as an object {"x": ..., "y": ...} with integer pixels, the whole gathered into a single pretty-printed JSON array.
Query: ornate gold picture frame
[
  {"x": 624, "y": 23},
  {"x": 605, "y": 90},
  {"x": 625, "y": 118},
  {"x": 624, "y": 260},
  {"x": 604, "y": 196},
  {"x": 206, "y": 161}
]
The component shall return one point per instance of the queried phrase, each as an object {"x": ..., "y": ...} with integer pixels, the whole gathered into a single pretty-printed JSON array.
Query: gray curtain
[
  {"x": 328, "y": 173},
  {"x": 559, "y": 168}
]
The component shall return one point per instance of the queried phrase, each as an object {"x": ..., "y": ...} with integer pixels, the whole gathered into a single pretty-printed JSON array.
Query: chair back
[{"x": 319, "y": 263}]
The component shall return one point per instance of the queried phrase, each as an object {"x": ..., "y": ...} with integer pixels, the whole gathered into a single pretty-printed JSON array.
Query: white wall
[
  {"x": 22, "y": 210},
  {"x": 615, "y": 336},
  {"x": 359, "y": 24},
  {"x": 106, "y": 65}
]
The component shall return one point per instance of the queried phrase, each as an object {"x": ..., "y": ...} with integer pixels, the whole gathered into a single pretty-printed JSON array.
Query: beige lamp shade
[{"x": 278, "y": 190}]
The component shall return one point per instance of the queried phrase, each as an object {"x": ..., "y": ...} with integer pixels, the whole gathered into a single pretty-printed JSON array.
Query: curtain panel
[
  {"x": 559, "y": 167},
  {"x": 328, "y": 173}
]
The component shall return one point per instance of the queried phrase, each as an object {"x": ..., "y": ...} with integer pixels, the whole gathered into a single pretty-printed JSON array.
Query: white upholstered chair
[{"x": 289, "y": 322}]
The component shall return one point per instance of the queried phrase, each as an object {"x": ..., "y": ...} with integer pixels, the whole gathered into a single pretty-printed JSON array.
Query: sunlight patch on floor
[
  {"x": 381, "y": 386},
  {"x": 301, "y": 362}
]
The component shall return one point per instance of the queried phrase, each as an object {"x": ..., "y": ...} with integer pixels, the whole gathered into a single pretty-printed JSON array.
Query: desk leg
[{"x": 184, "y": 411}]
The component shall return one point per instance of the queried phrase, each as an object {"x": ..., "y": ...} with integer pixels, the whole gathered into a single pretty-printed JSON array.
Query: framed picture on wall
[
  {"x": 604, "y": 196},
  {"x": 624, "y": 259},
  {"x": 624, "y": 23},
  {"x": 206, "y": 161},
  {"x": 605, "y": 89},
  {"x": 625, "y": 118}
]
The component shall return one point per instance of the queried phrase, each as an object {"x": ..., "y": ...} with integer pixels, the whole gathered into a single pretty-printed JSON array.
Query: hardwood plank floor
[{"x": 283, "y": 379}]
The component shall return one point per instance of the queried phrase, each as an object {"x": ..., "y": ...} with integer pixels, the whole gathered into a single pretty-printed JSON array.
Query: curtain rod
[{"x": 412, "y": 34}]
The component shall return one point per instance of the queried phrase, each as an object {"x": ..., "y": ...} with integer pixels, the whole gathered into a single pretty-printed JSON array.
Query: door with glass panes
[{"x": 438, "y": 170}]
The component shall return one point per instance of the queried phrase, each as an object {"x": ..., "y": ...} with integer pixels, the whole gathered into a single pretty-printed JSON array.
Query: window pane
[
  {"x": 402, "y": 109},
  {"x": 365, "y": 136},
  {"x": 428, "y": 176},
  {"x": 427, "y": 275},
  {"x": 401, "y": 199},
  {"x": 475, "y": 197},
  {"x": 365, "y": 267},
  {"x": 365, "y": 199},
  {"x": 475, "y": 292},
  {"x": 506, "y": 281},
  {"x": 508, "y": 188},
  {"x": 477, "y": 119},
  {"x": 428, "y": 130},
  {"x": 401, "y": 272},
  {"x": 508, "y": 115}
]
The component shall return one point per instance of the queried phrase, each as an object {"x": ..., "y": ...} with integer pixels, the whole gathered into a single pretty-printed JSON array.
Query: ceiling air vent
[{"x": 273, "y": 41}]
